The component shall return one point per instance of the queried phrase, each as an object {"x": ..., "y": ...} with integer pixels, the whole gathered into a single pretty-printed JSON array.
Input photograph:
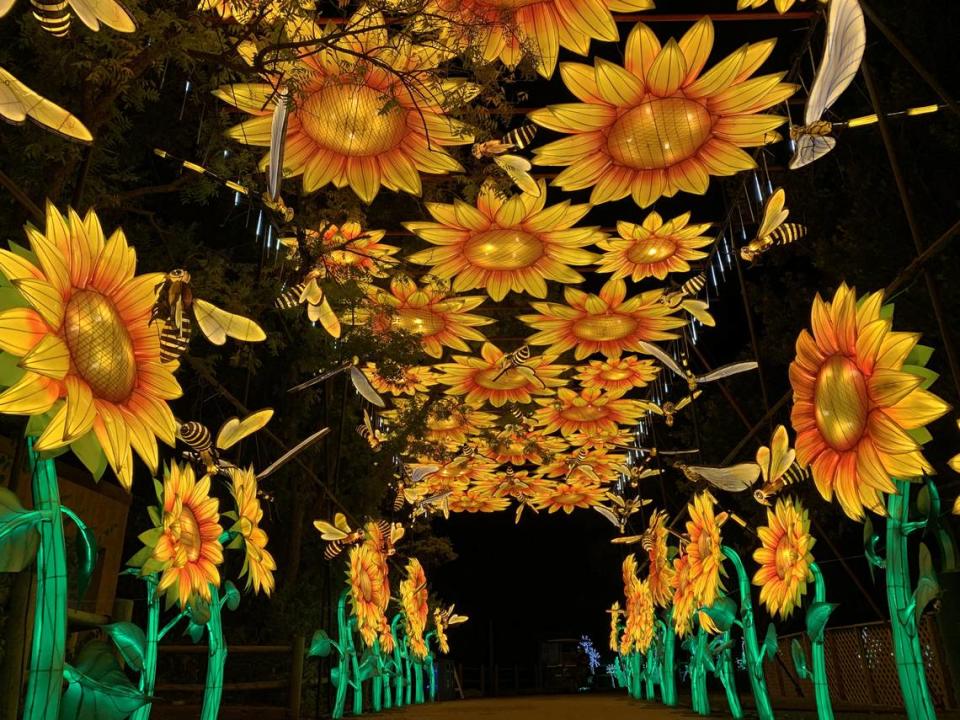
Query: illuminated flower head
[
  {"x": 507, "y": 29},
  {"x": 413, "y": 598},
  {"x": 596, "y": 465},
  {"x": 355, "y": 122},
  {"x": 615, "y": 613},
  {"x": 639, "y": 628},
  {"x": 346, "y": 251},
  {"x": 654, "y": 248},
  {"x": 705, "y": 548},
  {"x": 784, "y": 558},
  {"x": 568, "y": 496},
  {"x": 456, "y": 475},
  {"x": 607, "y": 323},
  {"x": 89, "y": 357},
  {"x": 430, "y": 312},
  {"x": 477, "y": 500},
  {"x": 618, "y": 376},
  {"x": 684, "y": 600},
  {"x": 258, "y": 563},
  {"x": 369, "y": 591},
  {"x": 505, "y": 244},
  {"x": 602, "y": 440},
  {"x": 491, "y": 379},
  {"x": 440, "y": 628},
  {"x": 410, "y": 380},
  {"x": 517, "y": 484},
  {"x": 519, "y": 445},
  {"x": 589, "y": 411},
  {"x": 782, "y": 6},
  {"x": 661, "y": 570},
  {"x": 858, "y": 397},
  {"x": 185, "y": 547},
  {"x": 447, "y": 425},
  {"x": 659, "y": 125}
]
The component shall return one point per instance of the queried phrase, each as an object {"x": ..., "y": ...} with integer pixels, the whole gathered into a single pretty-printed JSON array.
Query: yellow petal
[
  {"x": 45, "y": 299},
  {"x": 642, "y": 49},
  {"x": 888, "y": 387},
  {"x": 719, "y": 77},
  {"x": 30, "y": 395},
  {"x": 696, "y": 45},
  {"x": 668, "y": 70},
  {"x": 20, "y": 330},
  {"x": 80, "y": 409},
  {"x": 616, "y": 85},
  {"x": 50, "y": 357}
]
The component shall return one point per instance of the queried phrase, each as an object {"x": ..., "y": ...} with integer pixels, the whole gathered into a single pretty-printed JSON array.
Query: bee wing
[
  {"x": 608, "y": 514},
  {"x": 319, "y": 378},
  {"x": 518, "y": 170},
  {"x": 683, "y": 402},
  {"x": 278, "y": 137},
  {"x": 528, "y": 373},
  {"x": 234, "y": 430},
  {"x": 419, "y": 473},
  {"x": 846, "y": 38},
  {"x": 364, "y": 387},
  {"x": 627, "y": 539},
  {"x": 699, "y": 310},
  {"x": 109, "y": 12},
  {"x": 516, "y": 517},
  {"x": 774, "y": 213},
  {"x": 18, "y": 102},
  {"x": 669, "y": 362},
  {"x": 735, "y": 478},
  {"x": 217, "y": 325},
  {"x": 775, "y": 460},
  {"x": 397, "y": 531},
  {"x": 324, "y": 314},
  {"x": 810, "y": 148},
  {"x": 293, "y": 452},
  {"x": 588, "y": 471},
  {"x": 649, "y": 406},
  {"x": 457, "y": 619},
  {"x": 727, "y": 371},
  {"x": 328, "y": 531}
]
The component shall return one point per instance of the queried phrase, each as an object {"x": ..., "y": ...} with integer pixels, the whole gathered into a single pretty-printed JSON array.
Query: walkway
[{"x": 612, "y": 706}]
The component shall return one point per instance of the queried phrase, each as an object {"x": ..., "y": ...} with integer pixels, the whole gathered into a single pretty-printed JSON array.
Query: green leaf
[
  {"x": 368, "y": 667},
  {"x": 232, "y": 595},
  {"x": 920, "y": 355},
  {"x": 770, "y": 641},
  {"x": 86, "y": 551},
  {"x": 10, "y": 297},
  {"x": 949, "y": 562},
  {"x": 199, "y": 611},
  {"x": 926, "y": 562},
  {"x": 97, "y": 688},
  {"x": 320, "y": 645},
  {"x": 928, "y": 589},
  {"x": 19, "y": 538},
  {"x": 10, "y": 372},
  {"x": 335, "y": 676},
  {"x": 817, "y": 616},
  {"x": 799, "y": 659},
  {"x": 928, "y": 375},
  {"x": 920, "y": 435},
  {"x": 89, "y": 452},
  {"x": 194, "y": 631},
  {"x": 886, "y": 312},
  {"x": 24, "y": 252},
  {"x": 722, "y": 612},
  {"x": 870, "y": 540},
  {"x": 140, "y": 558},
  {"x": 130, "y": 641}
]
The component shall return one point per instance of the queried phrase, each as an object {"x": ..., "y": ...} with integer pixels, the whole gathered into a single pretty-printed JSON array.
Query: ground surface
[{"x": 546, "y": 707}]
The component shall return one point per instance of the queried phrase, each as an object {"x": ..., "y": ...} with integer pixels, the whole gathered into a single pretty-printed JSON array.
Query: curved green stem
[
  {"x": 418, "y": 682},
  {"x": 758, "y": 682},
  {"x": 821, "y": 689},
  {"x": 698, "y": 674},
  {"x": 45, "y": 679},
  {"x": 398, "y": 660},
  {"x": 724, "y": 665},
  {"x": 668, "y": 673},
  {"x": 431, "y": 667},
  {"x": 906, "y": 644},
  {"x": 340, "y": 675},
  {"x": 356, "y": 682},
  {"x": 148, "y": 675},
  {"x": 376, "y": 695},
  {"x": 636, "y": 689},
  {"x": 171, "y": 624},
  {"x": 216, "y": 659}
]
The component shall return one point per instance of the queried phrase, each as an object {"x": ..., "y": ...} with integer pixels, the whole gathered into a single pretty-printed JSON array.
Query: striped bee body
[
  {"x": 196, "y": 436},
  {"x": 332, "y": 550},
  {"x": 53, "y": 16},
  {"x": 521, "y": 137},
  {"x": 794, "y": 474},
  {"x": 290, "y": 298},
  {"x": 399, "y": 499},
  {"x": 820, "y": 128},
  {"x": 785, "y": 234},
  {"x": 691, "y": 287},
  {"x": 174, "y": 341}
]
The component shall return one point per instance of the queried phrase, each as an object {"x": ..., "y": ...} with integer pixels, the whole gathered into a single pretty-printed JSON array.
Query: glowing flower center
[
  {"x": 421, "y": 321},
  {"x": 350, "y": 119},
  {"x": 186, "y": 531},
  {"x": 503, "y": 249},
  {"x": 787, "y": 557},
  {"x": 659, "y": 133},
  {"x": 840, "y": 403},
  {"x": 585, "y": 413},
  {"x": 453, "y": 421},
  {"x": 100, "y": 347},
  {"x": 611, "y": 326},
  {"x": 616, "y": 374},
  {"x": 510, "y": 380},
  {"x": 655, "y": 249}
]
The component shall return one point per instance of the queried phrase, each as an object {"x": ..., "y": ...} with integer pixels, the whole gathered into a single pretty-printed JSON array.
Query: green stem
[
  {"x": 418, "y": 682},
  {"x": 431, "y": 667},
  {"x": 724, "y": 665},
  {"x": 698, "y": 675},
  {"x": 148, "y": 675},
  {"x": 340, "y": 675},
  {"x": 821, "y": 689},
  {"x": 397, "y": 660},
  {"x": 45, "y": 679},
  {"x": 906, "y": 644},
  {"x": 636, "y": 691},
  {"x": 758, "y": 682},
  {"x": 651, "y": 671},
  {"x": 377, "y": 692},
  {"x": 357, "y": 683},
  {"x": 668, "y": 674},
  {"x": 216, "y": 660},
  {"x": 171, "y": 624}
]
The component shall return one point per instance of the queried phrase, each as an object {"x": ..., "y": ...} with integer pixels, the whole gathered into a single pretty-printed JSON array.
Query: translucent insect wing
[
  {"x": 842, "y": 54},
  {"x": 217, "y": 325}
]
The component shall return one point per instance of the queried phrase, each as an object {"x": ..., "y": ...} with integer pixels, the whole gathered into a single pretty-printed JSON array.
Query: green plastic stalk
[
  {"x": 148, "y": 675},
  {"x": 398, "y": 660},
  {"x": 45, "y": 680},
  {"x": 216, "y": 659},
  {"x": 376, "y": 695},
  {"x": 700, "y": 700},
  {"x": 668, "y": 673},
  {"x": 636, "y": 688},
  {"x": 651, "y": 672},
  {"x": 758, "y": 682},
  {"x": 418, "y": 696},
  {"x": 431, "y": 668},
  {"x": 724, "y": 665},
  {"x": 356, "y": 681},
  {"x": 906, "y": 643},
  {"x": 821, "y": 688},
  {"x": 341, "y": 674}
]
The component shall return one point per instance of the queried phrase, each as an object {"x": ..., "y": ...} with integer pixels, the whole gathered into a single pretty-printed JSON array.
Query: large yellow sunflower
[
  {"x": 654, "y": 248},
  {"x": 458, "y": 474},
  {"x": 506, "y": 244},
  {"x": 89, "y": 358},
  {"x": 477, "y": 500},
  {"x": 784, "y": 558},
  {"x": 355, "y": 121},
  {"x": 369, "y": 590},
  {"x": 595, "y": 465},
  {"x": 346, "y": 251},
  {"x": 185, "y": 547},
  {"x": 519, "y": 445},
  {"x": 684, "y": 599},
  {"x": 661, "y": 572},
  {"x": 413, "y": 598},
  {"x": 590, "y": 411},
  {"x": 510, "y": 29},
  {"x": 857, "y": 401},
  {"x": 409, "y": 380},
  {"x": 258, "y": 563},
  {"x": 440, "y": 627},
  {"x": 639, "y": 627},
  {"x": 520, "y": 485},
  {"x": 602, "y": 440},
  {"x": 617, "y": 376},
  {"x": 607, "y": 323},
  {"x": 491, "y": 379},
  {"x": 615, "y": 614},
  {"x": 782, "y": 6},
  {"x": 430, "y": 312},
  {"x": 658, "y": 126},
  {"x": 447, "y": 425},
  {"x": 704, "y": 549},
  {"x": 568, "y": 496}
]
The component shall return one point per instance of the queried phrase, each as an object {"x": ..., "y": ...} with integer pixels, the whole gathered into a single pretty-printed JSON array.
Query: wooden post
[{"x": 296, "y": 675}]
